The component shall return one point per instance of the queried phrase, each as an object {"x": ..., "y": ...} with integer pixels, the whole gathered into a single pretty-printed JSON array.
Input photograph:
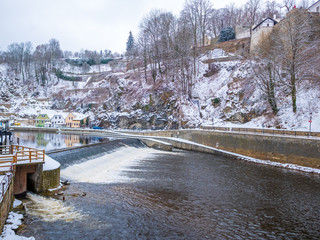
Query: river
[{"x": 123, "y": 190}]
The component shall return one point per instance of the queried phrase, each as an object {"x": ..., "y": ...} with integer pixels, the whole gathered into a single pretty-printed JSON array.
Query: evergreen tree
[
  {"x": 130, "y": 44},
  {"x": 227, "y": 34}
]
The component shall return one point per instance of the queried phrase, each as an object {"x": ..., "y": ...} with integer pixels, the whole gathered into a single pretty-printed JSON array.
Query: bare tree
[
  {"x": 252, "y": 7},
  {"x": 288, "y": 4},
  {"x": 298, "y": 39},
  {"x": 266, "y": 68}
]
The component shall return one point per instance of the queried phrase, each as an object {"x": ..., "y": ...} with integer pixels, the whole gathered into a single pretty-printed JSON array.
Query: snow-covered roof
[
  {"x": 63, "y": 114},
  {"x": 52, "y": 113},
  {"x": 79, "y": 116}
]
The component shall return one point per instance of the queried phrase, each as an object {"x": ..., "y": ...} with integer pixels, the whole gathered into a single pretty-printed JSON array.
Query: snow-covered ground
[{"x": 14, "y": 220}]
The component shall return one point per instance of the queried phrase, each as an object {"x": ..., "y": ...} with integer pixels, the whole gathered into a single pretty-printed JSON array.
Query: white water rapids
[
  {"x": 50, "y": 209},
  {"x": 109, "y": 168}
]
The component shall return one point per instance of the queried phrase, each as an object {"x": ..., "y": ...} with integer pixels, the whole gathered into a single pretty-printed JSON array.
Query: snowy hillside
[{"x": 119, "y": 98}]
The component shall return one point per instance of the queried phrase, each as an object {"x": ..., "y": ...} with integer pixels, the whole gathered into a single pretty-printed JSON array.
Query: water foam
[
  {"x": 109, "y": 168},
  {"x": 50, "y": 209}
]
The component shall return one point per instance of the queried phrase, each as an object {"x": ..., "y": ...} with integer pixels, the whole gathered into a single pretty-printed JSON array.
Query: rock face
[{"x": 157, "y": 114}]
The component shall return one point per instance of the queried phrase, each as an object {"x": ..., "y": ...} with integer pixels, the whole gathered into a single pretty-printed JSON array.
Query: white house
[
  {"x": 261, "y": 30},
  {"x": 315, "y": 7},
  {"x": 59, "y": 119},
  {"x": 51, "y": 118}
]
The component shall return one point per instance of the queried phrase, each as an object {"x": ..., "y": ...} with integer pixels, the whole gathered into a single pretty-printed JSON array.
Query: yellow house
[
  {"x": 69, "y": 120},
  {"x": 81, "y": 121},
  {"x": 77, "y": 120}
]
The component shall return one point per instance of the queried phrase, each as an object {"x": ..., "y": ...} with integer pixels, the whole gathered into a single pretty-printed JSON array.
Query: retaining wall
[
  {"x": 301, "y": 151},
  {"x": 5, "y": 205}
]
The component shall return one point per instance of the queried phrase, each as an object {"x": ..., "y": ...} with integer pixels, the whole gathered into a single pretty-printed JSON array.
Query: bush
[
  {"x": 227, "y": 34},
  {"x": 60, "y": 75}
]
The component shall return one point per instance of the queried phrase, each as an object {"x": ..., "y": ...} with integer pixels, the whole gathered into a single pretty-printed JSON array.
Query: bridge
[{"x": 21, "y": 161}]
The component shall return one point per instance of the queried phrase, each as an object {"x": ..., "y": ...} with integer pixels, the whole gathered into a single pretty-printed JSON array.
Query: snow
[
  {"x": 4, "y": 178},
  {"x": 16, "y": 203},
  {"x": 50, "y": 164},
  {"x": 14, "y": 220}
]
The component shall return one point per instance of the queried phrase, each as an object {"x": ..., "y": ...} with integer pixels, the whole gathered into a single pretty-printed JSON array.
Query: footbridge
[{"x": 24, "y": 163}]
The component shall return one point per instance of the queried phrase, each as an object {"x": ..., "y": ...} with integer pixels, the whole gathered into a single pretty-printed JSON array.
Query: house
[
  {"x": 44, "y": 119},
  {"x": 59, "y": 119},
  {"x": 76, "y": 120},
  {"x": 261, "y": 30},
  {"x": 51, "y": 118},
  {"x": 81, "y": 120},
  {"x": 315, "y": 7},
  {"x": 69, "y": 119}
]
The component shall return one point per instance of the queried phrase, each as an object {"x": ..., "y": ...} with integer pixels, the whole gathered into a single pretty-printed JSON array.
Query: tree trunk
[{"x": 293, "y": 93}]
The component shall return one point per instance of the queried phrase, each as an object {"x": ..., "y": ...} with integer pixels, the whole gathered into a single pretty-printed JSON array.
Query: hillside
[{"x": 118, "y": 98}]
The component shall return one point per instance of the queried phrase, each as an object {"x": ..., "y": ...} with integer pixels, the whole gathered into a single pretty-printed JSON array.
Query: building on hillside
[
  {"x": 77, "y": 120},
  {"x": 59, "y": 119},
  {"x": 69, "y": 119},
  {"x": 81, "y": 120},
  {"x": 44, "y": 119},
  {"x": 315, "y": 7},
  {"x": 260, "y": 31}
]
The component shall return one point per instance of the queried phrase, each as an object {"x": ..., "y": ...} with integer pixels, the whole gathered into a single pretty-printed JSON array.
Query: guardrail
[
  {"x": 264, "y": 131},
  {"x": 17, "y": 154}
]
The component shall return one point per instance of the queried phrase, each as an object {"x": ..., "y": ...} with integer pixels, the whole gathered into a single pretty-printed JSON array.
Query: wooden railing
[{"x": 16, "y": 154}]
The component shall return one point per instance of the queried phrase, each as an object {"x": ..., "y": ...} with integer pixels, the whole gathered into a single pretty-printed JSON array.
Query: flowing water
[{"x": 122, "y": 190}]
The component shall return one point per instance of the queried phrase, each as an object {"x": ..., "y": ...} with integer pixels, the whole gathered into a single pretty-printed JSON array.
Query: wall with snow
[{"x": 6, "y": 204}]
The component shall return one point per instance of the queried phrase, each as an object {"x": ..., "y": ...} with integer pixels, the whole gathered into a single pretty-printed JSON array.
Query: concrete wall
[
  {"x": 5, "y": 205},
  {"x": 50, "y": 179},
  {"x": 301, "y": 151},
  {"x": 26, "y": 174},
  {"x": 157, "y": 144},
  {"x": 33, "y": 178}
]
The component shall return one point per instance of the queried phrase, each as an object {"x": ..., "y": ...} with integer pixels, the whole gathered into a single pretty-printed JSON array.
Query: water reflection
[{"x": 50, "y": 141}]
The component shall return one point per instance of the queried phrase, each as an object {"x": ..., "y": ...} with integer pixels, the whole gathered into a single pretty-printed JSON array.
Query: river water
[
  {"x": 50, "y": 141},
  {"x": 123, "y": 190}
]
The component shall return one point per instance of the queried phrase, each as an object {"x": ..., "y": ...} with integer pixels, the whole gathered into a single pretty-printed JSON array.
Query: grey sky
[{"x": 79, "y": 24}]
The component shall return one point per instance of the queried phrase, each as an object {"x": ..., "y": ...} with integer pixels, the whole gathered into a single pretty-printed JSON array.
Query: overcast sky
[{"x": 80, "y": 24}]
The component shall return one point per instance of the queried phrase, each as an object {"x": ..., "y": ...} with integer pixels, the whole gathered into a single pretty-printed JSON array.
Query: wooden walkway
[{"x": 15, "y": 154}]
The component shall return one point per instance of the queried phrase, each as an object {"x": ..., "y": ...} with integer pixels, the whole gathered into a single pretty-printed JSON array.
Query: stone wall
[{"x": 6, "y": 204}]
